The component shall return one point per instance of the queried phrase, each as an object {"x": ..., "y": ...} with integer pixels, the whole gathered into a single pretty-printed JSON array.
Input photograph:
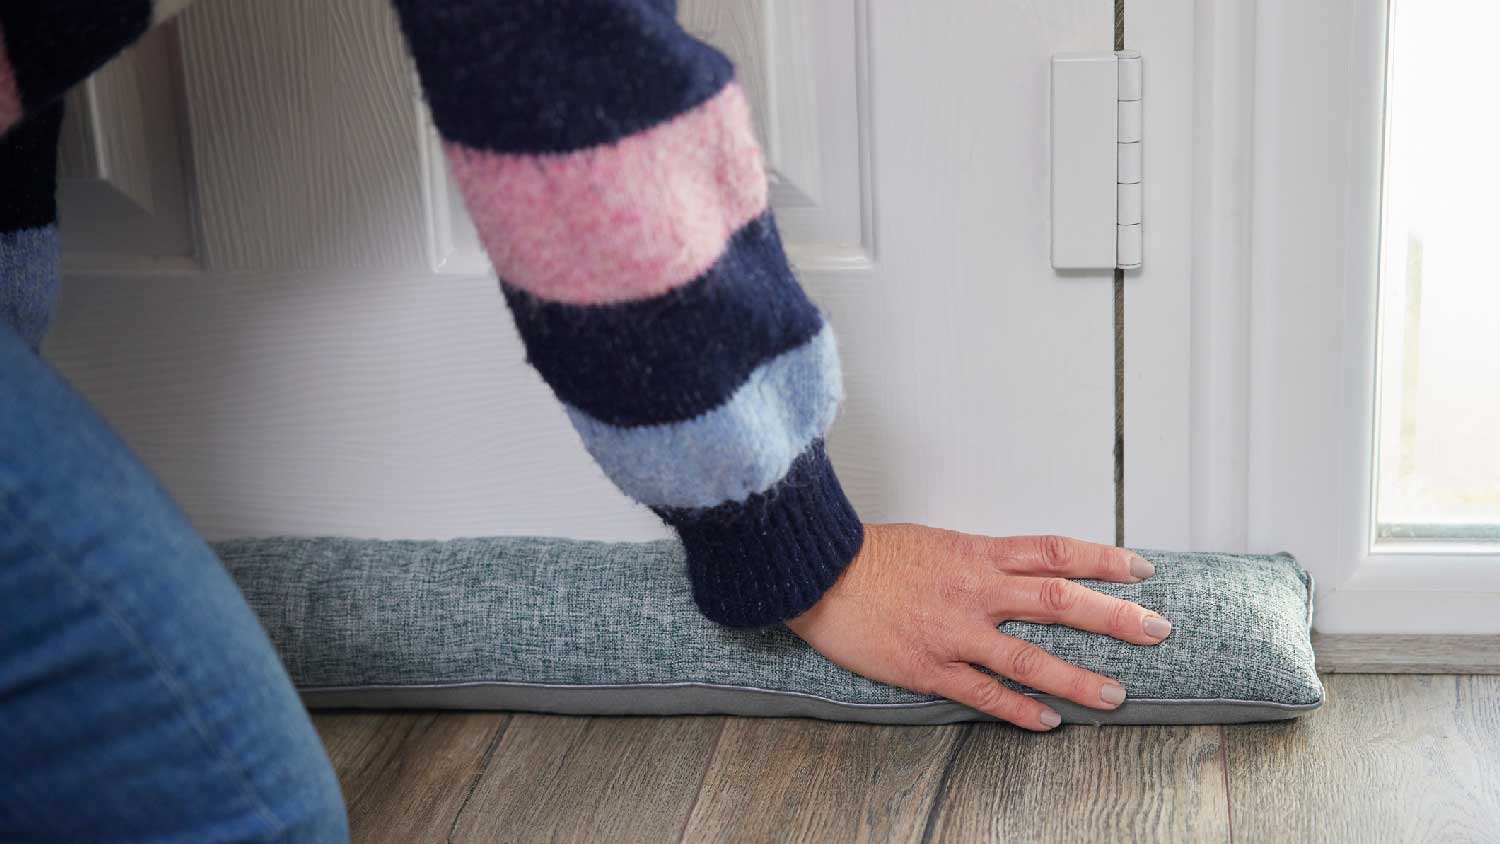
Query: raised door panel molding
[
  {"x": 453, "y": 246},
  {"x": 124, "y": 193},
  {"x": 785, "y": 115},
  {"x": 104, "y": 138},
  {"x": 804, "y": 69}
]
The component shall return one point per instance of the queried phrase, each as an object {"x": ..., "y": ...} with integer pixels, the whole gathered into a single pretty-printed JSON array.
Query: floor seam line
[
  {"x": 484, "y": 765},
  {"x": 708, "y": 762},
  {"x": 1224, "y": 764},
  {"x": 929, "y": 827}
]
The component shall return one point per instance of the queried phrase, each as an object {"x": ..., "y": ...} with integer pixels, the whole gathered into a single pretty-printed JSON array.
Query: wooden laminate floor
[{"x": 1406, "y": 758}]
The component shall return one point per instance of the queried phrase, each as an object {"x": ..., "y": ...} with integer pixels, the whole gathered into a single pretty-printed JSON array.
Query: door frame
[{"x": 1277, "y": 362}]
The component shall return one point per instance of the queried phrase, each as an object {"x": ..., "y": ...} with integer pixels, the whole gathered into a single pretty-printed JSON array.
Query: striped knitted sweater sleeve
[
  {"x": 46, "y": 48},
  {"x": 28, "y": 225},
  {"x": 608, "y": 162}
]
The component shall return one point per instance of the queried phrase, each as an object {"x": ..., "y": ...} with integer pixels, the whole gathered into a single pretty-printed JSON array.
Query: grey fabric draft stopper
[{"x": 596, "y": 628}]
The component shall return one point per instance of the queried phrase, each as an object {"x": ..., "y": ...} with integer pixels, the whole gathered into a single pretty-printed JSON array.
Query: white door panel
[{"x": 335, "y": 359}]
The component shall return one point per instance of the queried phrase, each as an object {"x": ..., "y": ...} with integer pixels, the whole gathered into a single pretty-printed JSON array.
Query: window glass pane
[{"x": 1438, "y": 411}]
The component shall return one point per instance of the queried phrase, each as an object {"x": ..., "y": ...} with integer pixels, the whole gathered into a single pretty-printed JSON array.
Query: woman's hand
[{"x": 919, "y": 606}]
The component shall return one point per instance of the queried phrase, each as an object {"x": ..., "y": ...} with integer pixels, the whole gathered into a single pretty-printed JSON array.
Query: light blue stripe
[
  {"x": 742, "y": 447},
  {"x": 28, "y": 281}
]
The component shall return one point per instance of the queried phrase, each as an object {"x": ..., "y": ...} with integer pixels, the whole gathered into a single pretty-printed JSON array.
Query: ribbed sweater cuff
[{"x": 771, "y": 557}]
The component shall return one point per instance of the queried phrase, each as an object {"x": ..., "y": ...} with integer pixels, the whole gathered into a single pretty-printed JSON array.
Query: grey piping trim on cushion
[{"x": 713, "y": 699}]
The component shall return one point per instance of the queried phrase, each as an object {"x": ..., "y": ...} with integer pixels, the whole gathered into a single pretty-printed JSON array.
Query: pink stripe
[
  {"x": 627, "y": 220},
  {"x": 10, "y": 93}
]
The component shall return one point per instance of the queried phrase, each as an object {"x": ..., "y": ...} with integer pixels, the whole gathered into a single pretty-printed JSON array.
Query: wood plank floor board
[
  {"x": 1399, "y": 758},
  {"x": 1411, "y": 758},
  {"x": 798, "y": 780},
  {"x": 406, "y": 775},
  {"x": 1086, "y": 784},
  {"x": 561, "y": 778}
]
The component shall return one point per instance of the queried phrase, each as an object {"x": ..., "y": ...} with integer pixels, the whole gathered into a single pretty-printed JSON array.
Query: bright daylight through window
[{"x": 1438, "y": 354}]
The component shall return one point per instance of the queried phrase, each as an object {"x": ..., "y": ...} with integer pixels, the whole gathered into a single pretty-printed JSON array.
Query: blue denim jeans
[{"x": 140, "y": 700}]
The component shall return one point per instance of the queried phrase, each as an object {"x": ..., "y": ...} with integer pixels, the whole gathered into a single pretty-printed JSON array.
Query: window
[{"x": 1437, "y": 467}]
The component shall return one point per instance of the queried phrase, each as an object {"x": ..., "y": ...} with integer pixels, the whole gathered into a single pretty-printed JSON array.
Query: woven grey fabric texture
[{"x": 519, "y": 622}]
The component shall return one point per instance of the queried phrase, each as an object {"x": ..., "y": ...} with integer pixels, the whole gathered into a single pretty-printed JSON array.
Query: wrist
[{"x": 771, "y": 557}]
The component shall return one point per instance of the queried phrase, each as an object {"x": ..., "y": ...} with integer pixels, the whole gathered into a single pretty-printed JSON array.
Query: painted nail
[
  {"x": 1156, "y": 627},
  {"x": 1112, "y": 694},
  {"x": 1049, "y": 718},
  {"x": 1141, "y": 568}
]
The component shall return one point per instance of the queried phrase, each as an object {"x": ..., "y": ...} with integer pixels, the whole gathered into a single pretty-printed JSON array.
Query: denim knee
[{"x": 312, "y": 812}]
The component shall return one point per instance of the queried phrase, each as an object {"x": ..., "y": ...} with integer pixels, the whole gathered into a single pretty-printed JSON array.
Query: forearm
[{"x": 610, "y": 167}]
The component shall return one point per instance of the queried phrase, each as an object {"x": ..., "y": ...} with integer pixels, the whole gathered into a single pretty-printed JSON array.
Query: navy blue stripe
[
  {"x": 56, "y": 43},
  {"x": 28, "y": 171},
  {"x": 772, "y": 556},
  {"x": 677, "y": 355},
  {"x": 536, "y": 76}
]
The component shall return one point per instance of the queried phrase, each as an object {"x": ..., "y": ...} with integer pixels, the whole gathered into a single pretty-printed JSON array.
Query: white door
[{"x": 272, "y": 292}]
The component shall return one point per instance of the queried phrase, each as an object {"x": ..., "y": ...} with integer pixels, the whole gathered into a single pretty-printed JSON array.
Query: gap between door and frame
[{"x": 1119, "y": 333}]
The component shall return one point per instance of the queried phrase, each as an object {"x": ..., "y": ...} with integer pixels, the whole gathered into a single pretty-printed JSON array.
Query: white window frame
[{"x": 1277, "y": 263}]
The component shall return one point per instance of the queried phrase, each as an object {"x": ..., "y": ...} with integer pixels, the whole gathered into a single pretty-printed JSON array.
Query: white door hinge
[{"x": 1096, "y": 160}]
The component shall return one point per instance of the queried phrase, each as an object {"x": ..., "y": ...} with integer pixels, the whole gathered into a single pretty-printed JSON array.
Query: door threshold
[{"x": 1362, "y": 653}]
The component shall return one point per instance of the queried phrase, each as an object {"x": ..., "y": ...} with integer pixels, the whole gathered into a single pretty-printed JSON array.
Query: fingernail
[
  {"x": 1112, "y": 694},
  {"x": 1049, "y": 718},
  {"x": 1141, "y": 568},
  {"x": 1156, "y": 627}
]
